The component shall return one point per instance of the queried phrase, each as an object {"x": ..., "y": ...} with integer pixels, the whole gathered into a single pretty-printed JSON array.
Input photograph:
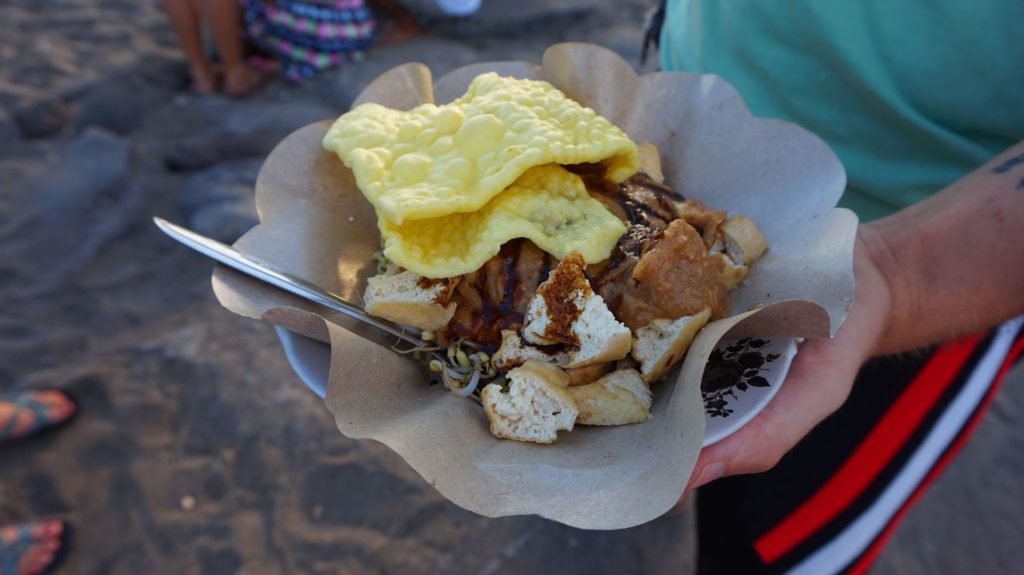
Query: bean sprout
[{"x": 470, "y": 387}]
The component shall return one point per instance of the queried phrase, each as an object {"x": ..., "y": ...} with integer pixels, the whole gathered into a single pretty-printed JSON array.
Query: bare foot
[
  {"x": 243, "y": 80},
  {"x": 204, "y": 80},
  {"x": 29, "y": 549},
  {"x": 24, "y": 413}
]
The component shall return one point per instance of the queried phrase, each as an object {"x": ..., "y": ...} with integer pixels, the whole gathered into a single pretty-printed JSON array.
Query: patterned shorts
[{"x": 307, "y": 37}]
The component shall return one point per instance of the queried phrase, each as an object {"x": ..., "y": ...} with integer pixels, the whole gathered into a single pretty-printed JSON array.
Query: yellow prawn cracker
[
  {"x": 547, "y": 204},
  {"x": 433, "y": 161}
]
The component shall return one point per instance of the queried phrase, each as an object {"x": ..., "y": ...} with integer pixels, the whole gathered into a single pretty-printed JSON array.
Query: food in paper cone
[{"x": 536, "y": 243}]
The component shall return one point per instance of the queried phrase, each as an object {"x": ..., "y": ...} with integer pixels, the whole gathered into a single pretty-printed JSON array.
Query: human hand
[
  {"x": 935, "y": 270},
  {"x": 818, "y": 382}
]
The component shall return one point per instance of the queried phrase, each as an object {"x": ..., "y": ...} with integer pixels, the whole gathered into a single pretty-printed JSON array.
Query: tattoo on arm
[{"x": 1009, "y": 164}]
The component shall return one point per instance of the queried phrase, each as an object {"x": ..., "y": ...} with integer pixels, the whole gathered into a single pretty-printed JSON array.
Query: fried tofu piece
[
  {"x": 537, "y": 406},
  {"x": 650, "y": 161},
  {"x": 732, "y": 274},
  {"x": 566, "y": 310},
  {"x": 589, "y": 373},
  {"x": 514, "y": 352},
  {"x": 409, "y": 299},
  {"x": 662, "y": 343},
  {"x": 743, "y": 241},
  {"x": 618, "y": 398}
]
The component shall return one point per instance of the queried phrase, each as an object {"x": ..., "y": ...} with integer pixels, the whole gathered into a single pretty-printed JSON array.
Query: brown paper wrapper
[{"x": 314, "y": 223}]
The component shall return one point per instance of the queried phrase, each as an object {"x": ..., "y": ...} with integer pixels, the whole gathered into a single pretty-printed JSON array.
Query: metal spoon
[{"x": 265, "y": 272}]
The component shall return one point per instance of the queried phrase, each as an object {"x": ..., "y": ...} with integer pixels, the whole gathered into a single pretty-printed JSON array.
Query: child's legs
[
  {"x": 184, "y": 17},
  {"x": 224, "y": 18}
]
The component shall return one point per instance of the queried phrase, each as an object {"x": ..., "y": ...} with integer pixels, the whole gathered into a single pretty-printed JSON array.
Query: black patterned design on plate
[{"x": 735, "y": 367}]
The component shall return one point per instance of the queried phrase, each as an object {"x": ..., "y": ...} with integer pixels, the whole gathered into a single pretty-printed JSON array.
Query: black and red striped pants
[{"x": 831, "y": 504}]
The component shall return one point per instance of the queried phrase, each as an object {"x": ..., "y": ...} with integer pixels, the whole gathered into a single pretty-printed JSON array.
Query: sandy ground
[{"x": 197, "y": 450}]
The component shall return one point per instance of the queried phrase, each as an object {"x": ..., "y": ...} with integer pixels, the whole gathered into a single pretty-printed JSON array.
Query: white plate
[
  {"x": 311, "y": 359},
  {"x": 741, "y": 377}
]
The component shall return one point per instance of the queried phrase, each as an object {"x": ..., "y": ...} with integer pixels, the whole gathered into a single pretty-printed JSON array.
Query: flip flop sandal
[
  {"x": 11, "y": 553},
  {"x": 41, "y": 418}
]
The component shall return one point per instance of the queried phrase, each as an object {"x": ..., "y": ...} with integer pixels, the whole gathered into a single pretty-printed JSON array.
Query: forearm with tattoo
[{"x": 954, "y": 262}]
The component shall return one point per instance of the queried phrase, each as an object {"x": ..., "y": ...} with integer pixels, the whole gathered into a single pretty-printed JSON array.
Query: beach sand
[{"x": 197, "y": 450}]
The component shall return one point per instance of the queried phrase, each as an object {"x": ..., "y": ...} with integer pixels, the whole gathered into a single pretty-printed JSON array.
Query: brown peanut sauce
[
  {"x": 559, "y": 295},
  {"x": 444, "y": 296},
  {"x": 496, "y": 296}
]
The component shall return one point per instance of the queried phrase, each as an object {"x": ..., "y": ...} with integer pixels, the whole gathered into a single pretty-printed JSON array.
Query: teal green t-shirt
[{"x": 910, "y": 94}]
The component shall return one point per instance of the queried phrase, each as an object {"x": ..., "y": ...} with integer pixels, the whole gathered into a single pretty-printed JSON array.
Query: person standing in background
[{"x": 922, "y": 103}]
